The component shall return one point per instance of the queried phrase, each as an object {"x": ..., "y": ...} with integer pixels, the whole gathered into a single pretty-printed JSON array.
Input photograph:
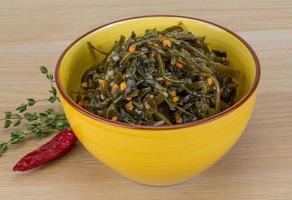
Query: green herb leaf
[
  {"x": 22, "y": 108},
  {"x": 52, "y": 99},
  {"x": 31, "y": 101},
  {"x": 43, "y": 114},
  {"x": 44, "y": 69},
  {"x": 17, "y": 137},
  {"x": 50, "y": 76},
  {"x": 3, "y": 147},
  {"x": 53, "y": 91},
  {"x": 8, "y": 115},
  {"x": 7, "y": 123},
  {"x": 17, "y": 123},
  {"x": 30, "y": 116},
  {"x": 49, "y": 111}
]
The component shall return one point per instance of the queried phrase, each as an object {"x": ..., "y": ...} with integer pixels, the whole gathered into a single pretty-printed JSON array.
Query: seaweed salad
[{"x": 161, "y": 78}]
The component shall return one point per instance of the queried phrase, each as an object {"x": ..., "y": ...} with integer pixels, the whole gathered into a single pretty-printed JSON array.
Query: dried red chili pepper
[{"x": 55, "y": 148}]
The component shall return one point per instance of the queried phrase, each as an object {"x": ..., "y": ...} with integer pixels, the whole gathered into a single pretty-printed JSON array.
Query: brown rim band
[{"x": 165, "y": 127}]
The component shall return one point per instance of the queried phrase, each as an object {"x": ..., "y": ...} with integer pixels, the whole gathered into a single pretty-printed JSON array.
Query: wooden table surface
[{"x": 34, "y": 32}]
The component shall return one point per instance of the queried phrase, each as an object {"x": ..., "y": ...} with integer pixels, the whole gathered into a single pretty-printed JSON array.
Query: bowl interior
[{"x": 80, "y": 57}]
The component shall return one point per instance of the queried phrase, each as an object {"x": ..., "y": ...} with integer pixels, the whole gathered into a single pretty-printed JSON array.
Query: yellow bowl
[{"x": 158, "y": 155}]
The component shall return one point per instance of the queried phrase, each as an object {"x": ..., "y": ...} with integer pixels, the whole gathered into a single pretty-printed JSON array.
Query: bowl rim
[{"x": 69, "y": 100}]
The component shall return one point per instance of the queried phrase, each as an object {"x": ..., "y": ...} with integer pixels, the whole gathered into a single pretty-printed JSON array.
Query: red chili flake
[{"x": 54, "y": 149}]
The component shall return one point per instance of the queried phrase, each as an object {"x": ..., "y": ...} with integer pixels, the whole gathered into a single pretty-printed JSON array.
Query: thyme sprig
[{"x": 36, "y": 124}]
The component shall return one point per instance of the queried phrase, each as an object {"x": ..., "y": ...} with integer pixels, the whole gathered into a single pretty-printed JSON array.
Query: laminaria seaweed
[{"x": 160, "y": 78}]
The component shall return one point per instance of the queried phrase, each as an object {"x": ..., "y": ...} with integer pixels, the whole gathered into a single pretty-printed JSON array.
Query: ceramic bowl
[{"x": 158, "y": 155}]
